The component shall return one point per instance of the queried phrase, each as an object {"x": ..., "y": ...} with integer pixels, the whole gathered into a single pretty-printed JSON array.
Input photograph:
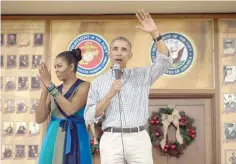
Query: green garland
[
  {"x": 172, "y": 148},
  {"x": 99, "y": 132}
]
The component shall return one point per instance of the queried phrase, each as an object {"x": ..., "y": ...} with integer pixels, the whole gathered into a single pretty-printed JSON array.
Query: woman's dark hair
[{"x": 72, "y": 57}]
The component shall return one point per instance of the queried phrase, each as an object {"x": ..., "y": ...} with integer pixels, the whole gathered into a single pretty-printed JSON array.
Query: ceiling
[{"x": 115, "y": 7}]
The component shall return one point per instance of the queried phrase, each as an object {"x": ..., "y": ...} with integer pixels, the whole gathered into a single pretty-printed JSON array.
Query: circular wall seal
[{"x": 94, "y": 53}]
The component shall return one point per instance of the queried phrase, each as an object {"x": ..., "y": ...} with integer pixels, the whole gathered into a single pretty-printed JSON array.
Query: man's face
[
  {"x": 120, "y": 53},
  {"x": 228, "y": 44},
  {"x": 229, "y": 72}
]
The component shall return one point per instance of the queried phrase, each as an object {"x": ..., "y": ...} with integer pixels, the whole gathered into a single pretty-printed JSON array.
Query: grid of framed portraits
[
  {"x": 19, "y": 151},
  {"x": 228, "y": 92},
  {"x": 19, "y": 83},
  {"x": 18, "y": 105},
  {"x": 20, "y": 61},
  {"x": 230, "y": 156},
  {"x": 22, "y": 44},
  {"x": 20, "y": 128},
  {"x": 22, "y": 39}
]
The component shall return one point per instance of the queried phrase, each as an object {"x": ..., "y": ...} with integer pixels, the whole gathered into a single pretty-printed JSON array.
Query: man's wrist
[{"x": 155, "y": 34}]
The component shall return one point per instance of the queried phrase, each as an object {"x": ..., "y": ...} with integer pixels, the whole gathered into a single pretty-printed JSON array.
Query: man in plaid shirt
[{"x": 122, "y": 105}]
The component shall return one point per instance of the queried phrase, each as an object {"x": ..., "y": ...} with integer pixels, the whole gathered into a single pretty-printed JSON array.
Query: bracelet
[
  {"x": 54, "y": 93},
  {"x": 51, "y": 87},
  {"x": 157, "y": 38}
]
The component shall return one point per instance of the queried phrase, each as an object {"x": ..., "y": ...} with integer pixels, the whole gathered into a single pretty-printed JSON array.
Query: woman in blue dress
[{"x": 67, "y": 139}]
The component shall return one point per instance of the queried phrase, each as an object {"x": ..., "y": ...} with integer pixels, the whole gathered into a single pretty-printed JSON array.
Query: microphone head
[{"x": 116, "y": 66}]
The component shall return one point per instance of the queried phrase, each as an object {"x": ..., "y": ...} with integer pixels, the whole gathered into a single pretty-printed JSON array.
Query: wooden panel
[
  {"x": 181, "y": 94},
  {"x": 117, "y": 17},
  {"x": 157, "y": 157},
  {"x": 199, "y": 151},
  {"x": 200, "y": 31}
]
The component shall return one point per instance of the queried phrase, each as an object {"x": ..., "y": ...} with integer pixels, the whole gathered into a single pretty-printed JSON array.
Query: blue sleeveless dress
[{"x": 67, "y": 140}]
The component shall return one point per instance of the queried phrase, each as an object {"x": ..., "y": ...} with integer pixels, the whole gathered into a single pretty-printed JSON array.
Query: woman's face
[{"x": 62, "y": 68}]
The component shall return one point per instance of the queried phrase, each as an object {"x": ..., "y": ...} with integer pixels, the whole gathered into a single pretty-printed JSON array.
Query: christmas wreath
[
  {"x": 97, "y": 134},
  {"x": 158, "y": 128}
]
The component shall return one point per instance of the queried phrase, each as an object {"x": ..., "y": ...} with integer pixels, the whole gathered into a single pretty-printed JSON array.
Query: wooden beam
[
  {"x": 181, "y": 93},
  {"x": 117, "y": 17}
]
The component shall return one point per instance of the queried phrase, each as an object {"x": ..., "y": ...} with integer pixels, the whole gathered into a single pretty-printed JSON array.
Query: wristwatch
[{"x": 157, "y": 38}]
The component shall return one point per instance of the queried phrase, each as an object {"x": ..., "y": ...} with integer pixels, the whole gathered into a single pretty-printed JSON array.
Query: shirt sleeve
[
  {"x": 90, "y": 109},
  {"x": 159, "y": 67}
]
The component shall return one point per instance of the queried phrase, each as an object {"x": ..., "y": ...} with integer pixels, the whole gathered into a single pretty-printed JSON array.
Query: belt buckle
[{"x": 130, "y": 130}]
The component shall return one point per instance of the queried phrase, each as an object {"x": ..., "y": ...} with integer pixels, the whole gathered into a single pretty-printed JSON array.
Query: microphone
[{"x": 116, "y": 71}]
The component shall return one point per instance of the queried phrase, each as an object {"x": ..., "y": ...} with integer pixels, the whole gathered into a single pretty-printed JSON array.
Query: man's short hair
[{"x": 121, "y": 38}]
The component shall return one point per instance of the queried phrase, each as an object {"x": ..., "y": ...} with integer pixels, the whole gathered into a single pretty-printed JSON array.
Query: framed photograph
[
  {"x": 23, "y": 39},
  {"x": 34, "y": 128},
  {"x": 7, "y": 128},
  {"x": 2, "y": 61},
  {"x": 1, "y": 106},
  {"x": 11, "y": 61},
  {"x": 23, "y": 61},
  {"x": 2, "y": 39},
  {"x": 21, "y": 128},
  {"x": 19, "y": 151},
  {"x": 33, "y": 151},
  {"x": 38, "y": 39},
  {"x": 22, "y": 105},
  {"x": 23, "y": 83},
  {"x": 35, "y": 83},
  {"x": 33, "y": 104},
  {"x": 230, "y": 131},
  {"x": 7, "y": 151},
  {"x": 36, "y": 60},
  {"x": 229, "y": 46},
  {"x": 2, "y": 82},
  {"x": 11, "y": 39},
  {"x": 8, "y": 106},
  {"x": 229, "y": 74},
  {"x": 230, "y": 156},
  {"x": 10, "y": 83},
  {"x": 229, "y": 103}
]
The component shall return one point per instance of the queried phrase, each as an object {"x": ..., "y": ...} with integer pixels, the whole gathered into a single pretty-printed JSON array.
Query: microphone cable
[{"x": 122, "y": 139}]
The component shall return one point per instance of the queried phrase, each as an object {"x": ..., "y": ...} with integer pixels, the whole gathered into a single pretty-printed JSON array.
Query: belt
[
  {"x": 125, "y": 130},
  {"x": 68, "y": 125}
]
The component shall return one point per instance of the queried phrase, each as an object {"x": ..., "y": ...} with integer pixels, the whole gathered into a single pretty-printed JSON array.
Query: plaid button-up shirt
[{"x": 130, "y": 107}]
